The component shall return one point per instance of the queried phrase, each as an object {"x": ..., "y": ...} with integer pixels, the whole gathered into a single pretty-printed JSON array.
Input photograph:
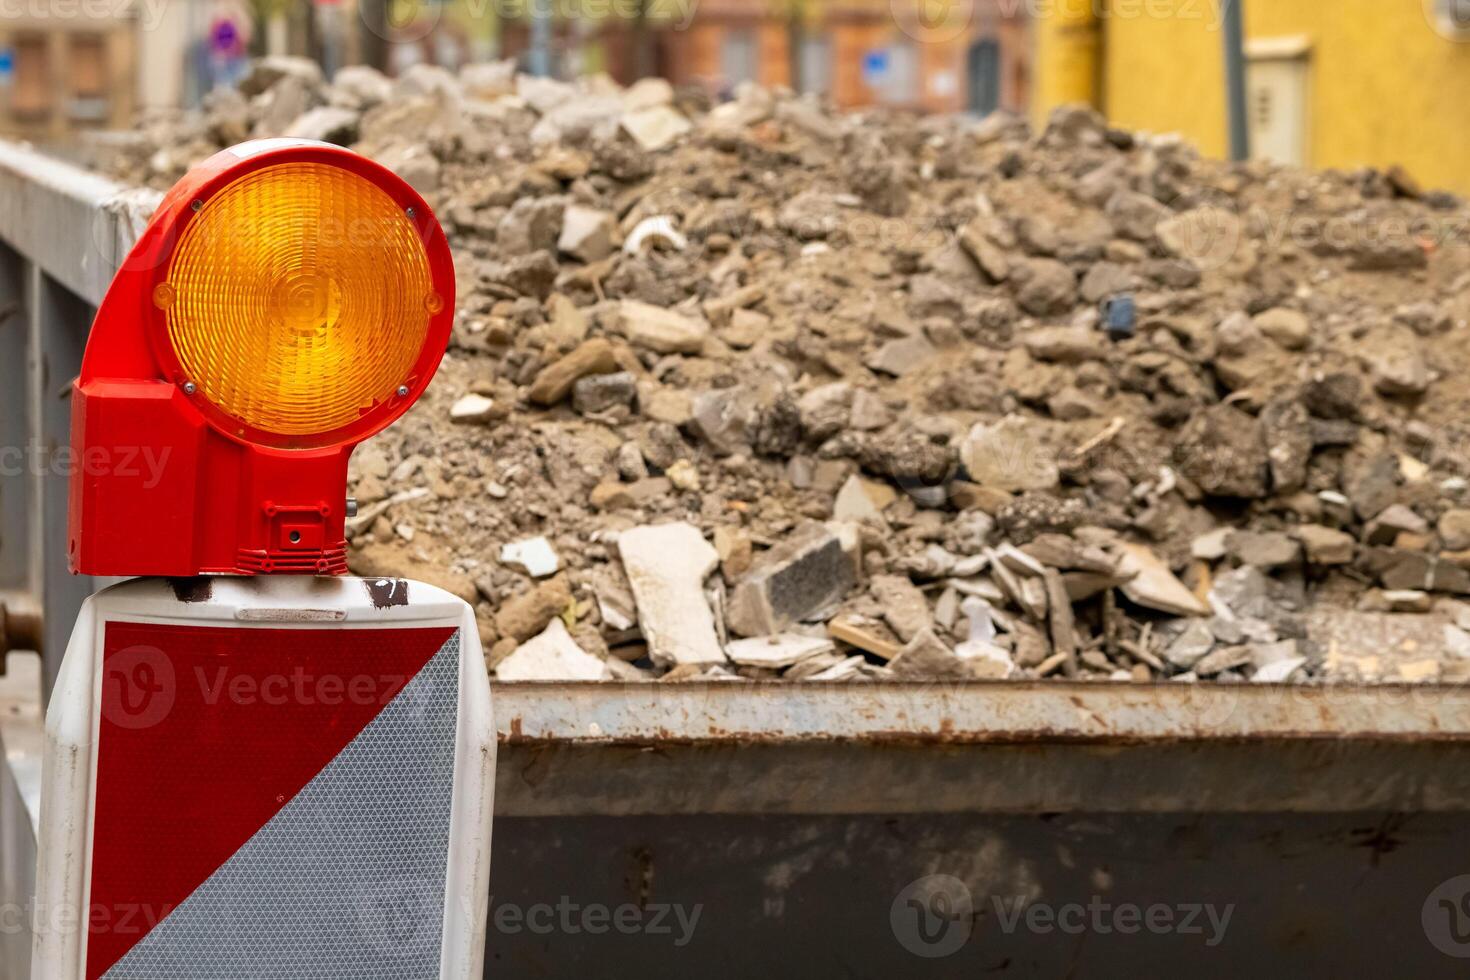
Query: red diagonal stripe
[{"x": 206, "y": 733}]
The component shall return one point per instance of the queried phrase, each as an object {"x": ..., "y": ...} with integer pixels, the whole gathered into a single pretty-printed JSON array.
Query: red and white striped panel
[{"x": 281, "y": 802}]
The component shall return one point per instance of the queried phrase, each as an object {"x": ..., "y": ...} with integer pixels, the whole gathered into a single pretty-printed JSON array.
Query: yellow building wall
[{"x": 1384, "y": 85}]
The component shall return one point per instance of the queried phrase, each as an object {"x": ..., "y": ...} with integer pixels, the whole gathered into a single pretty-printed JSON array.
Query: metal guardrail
[{"x": 63, "y": 233}]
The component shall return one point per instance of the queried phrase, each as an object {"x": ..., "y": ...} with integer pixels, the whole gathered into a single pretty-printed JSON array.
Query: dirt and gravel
[{"x": 760, "y": 389}]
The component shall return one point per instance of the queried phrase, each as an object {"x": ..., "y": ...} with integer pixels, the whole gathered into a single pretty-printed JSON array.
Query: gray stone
[
  {"x": 600, "y": 392},
  {"x": 531, "y": 225},
  {"x": 586, "y": 233},
  {"x": 1219, "y": 661},
  {"x": 655, "y": 127},
  {"x": 1287, "y": 429},
  {"x": 1008, "y": 456},
  {"x": 329, "y": 124},
  {"x": 1288, "y": 328},
  {"x": 905, "y": 609},
  {"x": 1325, "y": 545},
  {"x": 928, "y": 656},
  {"x": 660, "y": 330},
  {"x": 1047, "y": 287},
  {"x": 1371, "y": 483},
  {"x": 1135, "y": 215},
  {"x": 899, "y": 357},
  {"x": 1392, "y": 521},
  {"x": 1264, "y": 549},
  {"x": 1192, "y": 643},
  {"x": 1065, "y": 345},
  {"x": 1397, "y": 363},
  {"x": 778, "y": 652},
  {"x": 868, "y": 411},
  {"x": 723, "y": 418},
  {"x": 1223, "y": 451},
  {"x": 1454, "y": 529}
]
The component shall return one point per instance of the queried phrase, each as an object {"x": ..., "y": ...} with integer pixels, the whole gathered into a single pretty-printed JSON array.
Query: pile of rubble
[{"x": 760, "y": 389}]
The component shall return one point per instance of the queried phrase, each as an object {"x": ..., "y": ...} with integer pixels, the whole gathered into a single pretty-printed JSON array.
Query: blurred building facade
[
  {"x": 934, "y": 55},
  {"x": 70, "y": 65},
  {"x": 63, "y": 72},
  {"x": 1344, "y": 84}
]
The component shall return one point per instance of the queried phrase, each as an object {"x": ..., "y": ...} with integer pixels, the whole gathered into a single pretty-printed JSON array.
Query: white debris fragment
[
  {"x": 658, "y": 230},
  {"x": 666, "y": 566},
  {"x": 535, "y": 555},
  {"x": 1153, "y": 586},
  {"x": 551, "y": 655},
  {"x": 655, "y": 127},
  {"x": 472, "y": 410},
  {"x": 839, "y": 671},
  {"x": 1278, "y": 671},
  {"x": 779, "y": 651},
  {"x": 983, "y": 658}
]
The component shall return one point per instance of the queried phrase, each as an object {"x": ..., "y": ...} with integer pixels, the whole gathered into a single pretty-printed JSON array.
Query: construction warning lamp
[
  {"x": 261, "y": 775},
  {"x": 287, "y": 300}
]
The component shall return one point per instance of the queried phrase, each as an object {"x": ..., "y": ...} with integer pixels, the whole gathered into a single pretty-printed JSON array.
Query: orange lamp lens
[{"x": 298, "y": 299}]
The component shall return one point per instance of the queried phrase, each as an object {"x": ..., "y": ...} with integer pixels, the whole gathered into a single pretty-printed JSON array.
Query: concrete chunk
[
  {"x": 552, "y": 655},
  {"x": 809, "y": 571},
  {"x": 1153, "y": 586},
  {"x": 666, "y": 566},
  {"x": 660, "y": 330},
  {"x": 779, "y": 651},
  {"x": 593, "y": 356}
]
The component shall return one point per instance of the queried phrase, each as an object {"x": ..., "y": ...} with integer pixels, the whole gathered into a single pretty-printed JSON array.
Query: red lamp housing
[{"x": 287, "y": 300}]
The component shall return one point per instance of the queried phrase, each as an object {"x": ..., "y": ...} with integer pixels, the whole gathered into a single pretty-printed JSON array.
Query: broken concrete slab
[
  {"x": 666, "y": 566},
  {"x": 779, "y": 651},
  {"x": 552, "y": 655},
  {"x": 905, "y": 609},
  {"x": 1153, "y": 586}
]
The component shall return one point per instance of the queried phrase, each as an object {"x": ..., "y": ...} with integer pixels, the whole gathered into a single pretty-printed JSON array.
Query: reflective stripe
[{"x": 347, "y": 880}]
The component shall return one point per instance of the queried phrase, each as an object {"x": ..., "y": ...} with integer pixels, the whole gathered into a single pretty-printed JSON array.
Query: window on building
[
  {"x": 814, "y": 65},
  {"x": 86, "y": 63},
  {"x": 30, "y": 98},
  {"x": 899, "y": 84},
  {"x": 739, "y": 57},
  {"x": 982, "y": 67}
]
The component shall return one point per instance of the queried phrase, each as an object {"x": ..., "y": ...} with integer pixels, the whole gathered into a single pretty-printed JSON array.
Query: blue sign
[
  {"x": 875, "y": 66},
  {"x": 7, "y": 65}
]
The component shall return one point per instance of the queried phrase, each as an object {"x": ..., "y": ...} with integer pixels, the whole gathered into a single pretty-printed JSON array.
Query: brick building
[{"x": 971, "y": 56}]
